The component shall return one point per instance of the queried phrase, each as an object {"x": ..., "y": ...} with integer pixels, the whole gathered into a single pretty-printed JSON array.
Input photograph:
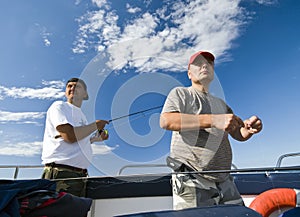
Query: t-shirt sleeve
[
  {"x": 225, "y": 108},
  {"x": 58, "y": 115},
  {"x": 175, "y": 101}
]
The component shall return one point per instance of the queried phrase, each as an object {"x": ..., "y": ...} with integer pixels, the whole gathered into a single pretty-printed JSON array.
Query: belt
[{"x": 66, "y": 167}]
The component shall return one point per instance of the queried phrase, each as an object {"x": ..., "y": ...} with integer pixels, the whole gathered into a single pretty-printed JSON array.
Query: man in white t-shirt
[
  {"x": 201, "y": 124},
  {"x": 67, "y": 150}
]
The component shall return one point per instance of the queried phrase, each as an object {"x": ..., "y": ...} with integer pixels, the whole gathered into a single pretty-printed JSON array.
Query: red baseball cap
[{"x": 203, "y": 53}]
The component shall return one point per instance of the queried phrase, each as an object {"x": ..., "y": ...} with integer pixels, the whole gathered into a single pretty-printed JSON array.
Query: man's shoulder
[
  {"x": 58, "y": 104},
  {"x": 180, "y": 90}
]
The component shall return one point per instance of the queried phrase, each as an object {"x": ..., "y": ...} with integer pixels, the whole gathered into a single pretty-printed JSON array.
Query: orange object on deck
[{"x": 274, "y": 199}]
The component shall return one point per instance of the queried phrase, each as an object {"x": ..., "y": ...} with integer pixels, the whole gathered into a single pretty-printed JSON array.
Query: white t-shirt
[{"x": 78, "y": 154}]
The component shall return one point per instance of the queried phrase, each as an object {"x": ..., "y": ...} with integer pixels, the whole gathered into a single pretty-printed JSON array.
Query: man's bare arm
[
  {"x": 176, "y": 121},
  {"x": 72, "y": 134}
]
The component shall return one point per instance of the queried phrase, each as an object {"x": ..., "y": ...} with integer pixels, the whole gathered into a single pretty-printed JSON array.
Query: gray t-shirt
[{"x": 203, "y": 149}]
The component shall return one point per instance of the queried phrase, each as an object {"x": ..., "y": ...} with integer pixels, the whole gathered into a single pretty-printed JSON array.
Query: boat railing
[
  {"x": 233, "y": 166},
  {"x": 279, "y": 161},
  {"x": 18, "y": 167},
  {"x": 141, "y": 166}
]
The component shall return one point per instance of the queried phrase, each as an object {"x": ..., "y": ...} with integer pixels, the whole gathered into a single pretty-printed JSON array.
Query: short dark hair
[
  {"x": 81, "y": 82},
  {"x": 77, "y": 80}
]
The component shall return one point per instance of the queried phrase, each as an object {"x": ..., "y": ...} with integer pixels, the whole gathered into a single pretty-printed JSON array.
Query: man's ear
[
  {"x": 86, "y": 97},
  {"x": 189, "y": 74}
]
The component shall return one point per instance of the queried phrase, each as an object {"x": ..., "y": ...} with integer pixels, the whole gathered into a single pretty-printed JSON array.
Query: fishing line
[
  {"x": 135, "y": 113},
  {"x": 132, "y": 114},
  {"x": 125, "y": 122}
]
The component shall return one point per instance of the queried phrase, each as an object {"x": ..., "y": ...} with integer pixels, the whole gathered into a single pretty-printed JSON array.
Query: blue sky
[{"x": 131, "y": 53}]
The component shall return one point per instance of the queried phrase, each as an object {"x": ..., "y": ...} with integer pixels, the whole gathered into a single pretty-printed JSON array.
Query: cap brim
[{"x": 202, "y": 53}]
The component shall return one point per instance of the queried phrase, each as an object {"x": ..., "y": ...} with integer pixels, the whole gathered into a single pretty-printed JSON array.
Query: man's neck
[
  {"x": 76, "y": 103},
  {"x": 201, "y": 87}
]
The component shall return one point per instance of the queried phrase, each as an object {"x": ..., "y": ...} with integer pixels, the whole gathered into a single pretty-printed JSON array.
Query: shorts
[
  {"x": 75, "y": 182},
  {"x": 190, "y": 192}
]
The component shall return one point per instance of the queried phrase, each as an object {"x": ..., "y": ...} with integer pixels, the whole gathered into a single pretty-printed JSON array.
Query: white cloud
[
  {"x": 54, "y": 84},
  {"x": 143, "y": 27},
  {"x": 267, "y": 2},
  {"x": 35, "y": 148},
  {"x": 77, "y": 2},
  {"x": 47, "y": 42},
  {"x": 174, "y": 31},
  {"x": 20, "y": 117},
  {"x": 50, "y": 90},
  {"x": 132, "y": 10},
  {"x": 97, "y": 29},
  {"x": 21, "y": 149},
  {"x": 42, "y": 31},
  {"x": 100, "y": 3},
  {"x": 45, "y": 35}
]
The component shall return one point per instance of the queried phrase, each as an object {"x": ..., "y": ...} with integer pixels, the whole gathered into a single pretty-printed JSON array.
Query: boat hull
[{"x": 123, "y": 195}]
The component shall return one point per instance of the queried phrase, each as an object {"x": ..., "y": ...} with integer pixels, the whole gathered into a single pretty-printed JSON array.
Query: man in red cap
[{"x": 201, "y": 123}]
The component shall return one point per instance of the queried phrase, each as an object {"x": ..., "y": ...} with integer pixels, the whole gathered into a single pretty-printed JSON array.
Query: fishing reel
[{"x": 103, "y": 130}]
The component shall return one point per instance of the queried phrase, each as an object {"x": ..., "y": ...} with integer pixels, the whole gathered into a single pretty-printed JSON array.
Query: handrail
[
  {"x": 278, "y": 164},
  {"x": 17, "y": 167},
  {"x": 139, "y": 166},
  {"x": 154, "y": 165},
  {"x": 235, "y": 169}
]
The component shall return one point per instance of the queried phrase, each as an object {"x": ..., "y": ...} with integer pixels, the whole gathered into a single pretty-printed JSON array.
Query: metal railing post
[{"x": 16, "y": 172}]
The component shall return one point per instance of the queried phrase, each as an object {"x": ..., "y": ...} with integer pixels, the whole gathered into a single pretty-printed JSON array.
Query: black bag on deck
[{"x": 53, "y": 204}]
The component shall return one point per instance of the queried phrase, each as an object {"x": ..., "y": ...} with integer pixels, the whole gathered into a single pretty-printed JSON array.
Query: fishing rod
[
  {"x": 135, "y": 113},
  {"x": 125, "y": 116},
  {"x": 121, "y": 117}
]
